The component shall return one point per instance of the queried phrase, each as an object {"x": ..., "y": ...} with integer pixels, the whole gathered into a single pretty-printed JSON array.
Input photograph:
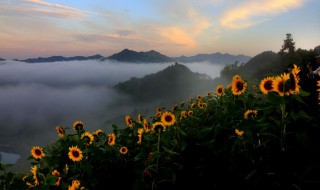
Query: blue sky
[{"x": 41, "y": 28}]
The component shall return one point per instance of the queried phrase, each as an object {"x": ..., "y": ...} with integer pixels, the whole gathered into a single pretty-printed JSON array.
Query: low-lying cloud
[{"x": 35, "y": 98}]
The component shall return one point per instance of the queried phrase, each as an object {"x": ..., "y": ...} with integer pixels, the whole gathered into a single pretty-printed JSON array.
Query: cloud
[
  {"x": 39, "y": 8},
  {"x": 253, "y": 12},
  {"x": 178, "y": 37}
]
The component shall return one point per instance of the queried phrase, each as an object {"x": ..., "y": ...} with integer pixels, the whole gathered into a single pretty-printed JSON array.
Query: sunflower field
[{"x": 240, "y": 136}]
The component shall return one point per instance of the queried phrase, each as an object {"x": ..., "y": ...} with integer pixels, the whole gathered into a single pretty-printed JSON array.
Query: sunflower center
[
  {"x": 268, "y": 85},
  {"x": 37, "y": 152},
  {"x": 168, "y": 118},
  {"x": 75, "y": 154},
  {"x": 79, "y": 127},
  {"x": 239, "y": 86}
]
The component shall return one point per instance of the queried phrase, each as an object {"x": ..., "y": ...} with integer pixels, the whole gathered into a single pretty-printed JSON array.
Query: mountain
[
  {"x": 61, "y": 58},
  {"x": 214, "y": 58},
  {"x": 174, "y": 82},
  {"x": 1, "y": 59},
  {"x": 127, "y": 55}
]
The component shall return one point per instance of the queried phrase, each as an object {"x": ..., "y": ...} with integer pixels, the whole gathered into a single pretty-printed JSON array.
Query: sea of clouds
[{"x": 36, "y": 97}]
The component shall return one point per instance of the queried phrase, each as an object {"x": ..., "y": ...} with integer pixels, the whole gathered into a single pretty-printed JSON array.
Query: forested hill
[
  {"x": 127, "y": 55},
  {"x": 174, "y": 82}
]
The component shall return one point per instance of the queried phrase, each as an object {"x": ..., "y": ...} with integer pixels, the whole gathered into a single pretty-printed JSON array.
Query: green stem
[{"x": 283, "y": 126}]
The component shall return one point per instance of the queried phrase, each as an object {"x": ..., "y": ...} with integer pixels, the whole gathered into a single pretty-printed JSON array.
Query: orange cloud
[
  {"x": 253, "y": 12},
  {"x": 178, "y": 36}
]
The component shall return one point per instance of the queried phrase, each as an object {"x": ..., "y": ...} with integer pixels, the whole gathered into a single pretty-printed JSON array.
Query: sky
[{"x": 42, "y": 28}]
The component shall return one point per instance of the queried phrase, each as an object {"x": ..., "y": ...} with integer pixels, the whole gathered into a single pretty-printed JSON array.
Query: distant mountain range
[
  {"x": 151, "y": 56},
  {"x": 61, "y": 58},
  {"x": 1, "y": 59},
  {"x": 214, "y": 58}
]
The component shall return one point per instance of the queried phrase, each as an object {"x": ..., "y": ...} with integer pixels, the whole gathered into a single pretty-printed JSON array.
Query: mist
[{"x": 36, "y": 97}]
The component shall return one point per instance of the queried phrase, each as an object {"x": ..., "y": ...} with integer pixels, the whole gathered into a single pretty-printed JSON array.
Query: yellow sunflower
[
  {"x": 238, "y": 86},
  {"x": 111, "y": 139},
  {"x": 199, "y": 97},
  {"x": 174, "y": 107},
  {"x": 192, "y": 105},
  {"x": 168, "y": 118},
  {"x": 88, "y": 137},
  {"x": 75, "y": 154},
  {"x": 250, "y": 114},
  {"x": 146, "y": 126},
  {"x": 34, "y": 171},
  {"x": 140, "y": 131},
  {"x": 209, "y": 94},
  {"x": 37, "y": 152},
  {"x": 98, "y": 132},
  {"x": 219, "y": 90},
  {"x": 139, "y": 118},
  {"x": 183, "y": 114},
  {"x": 78, "y": 126},
  {"x": 239, "y": 132},
  {"x": 158, "y": 126},
  {"x": 75, "y": 185},
  {"x": 123, "y": 150},
  {"x": 60, "y": 130},
  {"x": 280, "y": 86},
  {"x": 57, "y": 174},
  {"x": 266, "y": 85},
  {"x": 129, "y": 121},
  {"x": 190, "y": 113},
  {"x": 294, "y": 87}
]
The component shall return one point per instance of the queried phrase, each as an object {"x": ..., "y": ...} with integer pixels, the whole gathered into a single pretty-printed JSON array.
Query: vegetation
[{"x": 237, "y": 136}]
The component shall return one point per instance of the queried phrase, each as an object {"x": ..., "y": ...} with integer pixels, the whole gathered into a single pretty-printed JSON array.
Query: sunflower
[
  {"x": 174, "y": 107},
  {"x": 75, "y": 185},
  {"x": 129, "y": 121},
  {"x": 66, "y": 168},
  {"x": 98, "y": 132},
  {"x": 184, "y": 114},
  {"x": 158, "y": 126},
  {"x": 75, "y": 154},
  {"x": 279, "y": 85},
  {"x": 140, "y": 131},
  {"x": 60, "y": 131},
  {"x": 192, "y": 105},
  {"x": 254, "y": 87},
  {"x": 266, "y": 85},
  {"x": 250, "y": 114},
  {"x": 78, "y": 126},
  {"x": 190, "y": 113},
  {"x": 294, "y": 83},
  {"x": 111, "y": 139},
  {"x": 219, "y": 90},
  {"x": 57, "y": 174},
  {"x": 168, "y": 118},
  {"x": 123, "y": 150},
  {"x": 209, "y": 94},
  {"x": 88, "y": 138},
  {"x": 37, "y": 152},
  {"x": 139, "y": 118},
  {"x": 199, "y": 97},
  {"x": 238, "y": 86},
  {"x": 146, "y": 126},
  {"x": 34, "y": 171},
  {"x": 239, "y": 132}
]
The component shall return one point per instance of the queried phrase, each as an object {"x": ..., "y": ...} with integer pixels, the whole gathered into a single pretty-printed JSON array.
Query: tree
[{"x": 288, "y": 46}]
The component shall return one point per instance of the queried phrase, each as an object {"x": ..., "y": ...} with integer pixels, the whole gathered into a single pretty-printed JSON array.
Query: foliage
[{"x": 241, "y": 137}]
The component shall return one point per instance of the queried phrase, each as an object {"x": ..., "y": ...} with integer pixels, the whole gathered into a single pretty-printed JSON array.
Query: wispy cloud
[
  {"x": 39, "y": 7},
  {"x": 253, "y": 12}
]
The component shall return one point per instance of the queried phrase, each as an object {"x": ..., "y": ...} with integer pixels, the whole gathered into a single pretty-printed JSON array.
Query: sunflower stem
[{"x": 283, "y": 126}]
